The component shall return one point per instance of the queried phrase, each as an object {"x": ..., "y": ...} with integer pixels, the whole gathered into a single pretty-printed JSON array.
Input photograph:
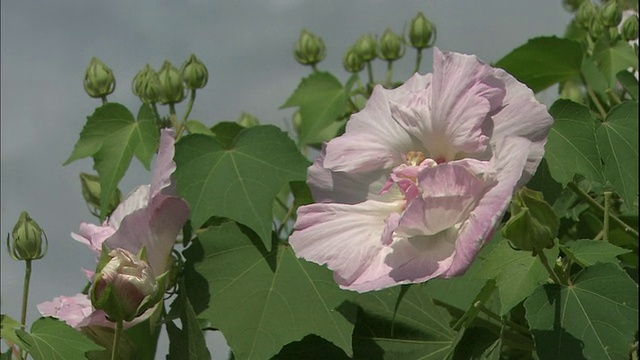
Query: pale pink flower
[
  {"x": 151, "y": 216},
  {"x": 422, "y": 175}
]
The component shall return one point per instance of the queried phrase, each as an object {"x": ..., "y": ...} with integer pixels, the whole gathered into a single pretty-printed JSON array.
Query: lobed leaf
[
  {"x": 51, "y": 339},
  {"x": 589, "y": 252}
]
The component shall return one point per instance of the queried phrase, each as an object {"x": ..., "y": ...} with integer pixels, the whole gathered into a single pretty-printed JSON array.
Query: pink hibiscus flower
[
  {"x": 422, "y": 175},
  {"x": 151, "y": 216}
]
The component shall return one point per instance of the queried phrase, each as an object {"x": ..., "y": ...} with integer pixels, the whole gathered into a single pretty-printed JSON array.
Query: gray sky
[{"x": 247, "y": 47}]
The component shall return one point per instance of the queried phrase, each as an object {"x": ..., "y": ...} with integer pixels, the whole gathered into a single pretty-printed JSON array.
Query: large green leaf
[
  {"x": 187, "y": 343},
  {"x": 8, "y": 327},
  {"x": 571, "y": 145},
  {"x": 595, "y": 318},
  {"x": 312, "y": 347},
  {"x": 51, "y": 339},
  {"x": 590, "y": 252},
  {"x": 618, "y": 143},
  {"x": 322, "y": 100},
  {"x": 239, "y": 182},
  {"x": 402, "y": 323},
  {"x": 544, "y": 61},
  {"x": 613, "y": 58},
  {"x": 263, "y": 301},
  {"x": 517, "y": 273},
  {"x": 112, "y": 136},
  {"x": 629, "y": 83}
]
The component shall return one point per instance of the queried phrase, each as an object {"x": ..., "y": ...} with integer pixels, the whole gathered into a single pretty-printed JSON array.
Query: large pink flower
[
  {"x": 151, "y": 216},
  {"x": 422, "y": 175}
]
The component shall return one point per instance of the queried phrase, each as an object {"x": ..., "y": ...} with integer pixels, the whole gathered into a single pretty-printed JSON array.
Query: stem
[
  {"x": 545, "y": 263},
  {"x": 594, "y": 98},
  {"x": 389, "y": 73},
  {"x": 605, "y": 222},
  {"x": 172, "y": 116},
  {"x": 519, "y": 328},
  {"x": 314, "y": 68},
  {"x": 192, "y": 99},
  {"x": 613, "y": 96},
  {"x": 104, "y": 99},
  {"x": 286, "y": 218},
  {"x": 116, "y": 339},
  {"x": 594, "y": 204},
  {"x": 418, "y": 60},
  {"x": 370, "y": 72},
  {"x": 154, "y": 106},
  {"x": 25, "y": 293}
]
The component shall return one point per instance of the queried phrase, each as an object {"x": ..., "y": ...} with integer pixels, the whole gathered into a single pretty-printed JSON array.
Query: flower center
[{"x": 414, "y": 158}]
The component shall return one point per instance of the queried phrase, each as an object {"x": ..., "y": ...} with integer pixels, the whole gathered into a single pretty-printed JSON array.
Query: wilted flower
[
  {"x": 151, "y": 216},
  {"x": 125, "y": 287},
  {"x": 422, "y": 175}
]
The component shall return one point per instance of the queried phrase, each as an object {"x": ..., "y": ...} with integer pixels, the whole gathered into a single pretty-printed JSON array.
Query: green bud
[
  {"x": 124, "y": 286},
  {"x": 351, "y": 61},
  {"x": 597, "y": 28},
  {"x": 421, "y": 32},
  {"x": 194, "y": 73},
  {"x": 171, "y": 87},
  {"x": 146, "y": 85},
  {"x": 611, "y": 14},
  {"x": 572, "y": 5},
  {"x": 586, "y": 13},
  {"x": 247, "y": 120},
  {"x": 27, "y": 239},
  {"x": 91, "y": 193},
  {"x": 366, "y": 47},
  {"x": 310, "y": 49},
  {"x": 98, "y": 79},
  {"x": 572, "y": 92},
  {"x": 630, "y": 28},
  {"x": 391, "y": 46},
  {"x": 533, "y": 224}
]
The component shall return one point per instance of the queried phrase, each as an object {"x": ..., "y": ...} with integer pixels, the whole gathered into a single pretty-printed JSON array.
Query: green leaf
[
  {"x": 322, "y": 100},
  {"x": 187, "y": 343},
  {"x": 112, "y": 136},
  {"x": 543, "y": 61},
  {"x": 476, "y": 343},
  {"x": 571, "y": 145},
  {"x": 8, "y": 327},
  {"x": 590, "y": 252},
  {"x": 196, "y": 127},
  {"x": 595, "y": 318},
  {"x": 240, "y": 182},
  {"x": 618, "y": 143},
  {"x": 6, "y": 355},
  {"x": 226, "y": 132},
  {"x": 595, "y": 78},
  {"x": 263, "y": 301},
  {"x": 628, "y": 82},
  {"x": 402, "y": 323},
  {"x": 311, "y": 348},
  {"x": 611, "y": 59},
  {"x": 517, "y": 273},
  {"x": 51, "y": 339}
]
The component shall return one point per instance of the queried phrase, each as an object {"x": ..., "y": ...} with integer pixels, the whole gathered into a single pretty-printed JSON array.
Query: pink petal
[
  {"x": 72, "y": 310},
  {"x": 348, "y": 238},
  {"x": 136, "y": 200},
  {"x": 93, "y": 236},
  {"x": 164, "y": 165}
]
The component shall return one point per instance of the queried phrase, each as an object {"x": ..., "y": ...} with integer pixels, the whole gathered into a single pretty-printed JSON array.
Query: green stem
[
  {"x": 286, "y": 218},
  {"x": 116, "y": 339},
  {"x": 25, "y": 293},
  {"x": 314, "y": 68},
  {"x": 594, "y": 98},
  {"x": 594, "y": 204},
  {"x": 192, "y": 99},
  {"x": 370, "y": 72},
  {"x": 613, "y": 96},
  {"x": 517, "y": 327},
  {"x": 172, "y": 117},
  {"x": 154, "y": 106},
  {"x": 418, "y": 60},
  {"x": 605, "y": 222},
  {"x": 387, "y": 81},
  {"x": 104, "y": 99},
  {"x": 545, "y": 263}
]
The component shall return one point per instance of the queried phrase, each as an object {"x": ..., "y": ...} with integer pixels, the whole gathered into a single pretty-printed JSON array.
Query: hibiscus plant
[{"x": 450, "y": 215}]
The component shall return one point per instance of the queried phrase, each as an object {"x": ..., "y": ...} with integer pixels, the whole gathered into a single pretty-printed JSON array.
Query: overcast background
[{"x": 247, "y": 47}]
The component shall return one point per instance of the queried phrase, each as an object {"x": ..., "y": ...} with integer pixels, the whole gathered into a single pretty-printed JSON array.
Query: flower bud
[
  {"x": 194, "y": 73},
  {"x": 309, "y": 49},
  {"x": 586, "y": 13},
  {"x": 351, "y": 61},
  {"x": 629, "y": 29},
  {"x": 171, "y": 87},
  {"x": 611, "y": 14},
  {"x": 572, "y": 5},
  {"x": 247, "y": 120},
  {"x": 98, "y": 79},
  {"x": 533, "y": 224},
  {"x": 421, "y": 32},
  {"x": 391, "y": 46},
  {"x": 27, "y": 239},
  {"x": 572, "y": 92},
  {"x": 597, "y": 28},
  {"x": 125, "y": 287},
  {"x": 91, "y": 193},
  {"x": 366, "y": 47},
  {"x": 146, "y": 85}
]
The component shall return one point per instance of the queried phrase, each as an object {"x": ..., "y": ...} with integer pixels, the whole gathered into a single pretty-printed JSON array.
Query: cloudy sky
[{"x": 247, "y": 47}]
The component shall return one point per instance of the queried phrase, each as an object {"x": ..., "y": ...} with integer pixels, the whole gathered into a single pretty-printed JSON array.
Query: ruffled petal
[
  {"x": 164, "y": 166},
  {"x": 93, "y": 235},
  {"x": 136, "y": 200},
  {"x": 347, "y": 238},
  {"x": 73, "y": 310}
]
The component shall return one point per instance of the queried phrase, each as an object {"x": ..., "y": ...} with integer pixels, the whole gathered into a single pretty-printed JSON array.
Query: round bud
[
  {"x": 146, "y": 85},
  {"x": 629, "y": 29},
  {"x": 194, "y": 73},
  {"x": 98, "y": 79},
  {"x": 171, "y": 86},
  {"x": 586, "y": 12},
  {"x": 391, "y": 46},
  {"x": 366, "y": 47},
  {"x": 611, "y": 14},
  {"x": 29, "y": 241},
  {"x": 351, "y": 61},
  {"x": 421, "y": 32},
  {"x": 310, "y": 49}
]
